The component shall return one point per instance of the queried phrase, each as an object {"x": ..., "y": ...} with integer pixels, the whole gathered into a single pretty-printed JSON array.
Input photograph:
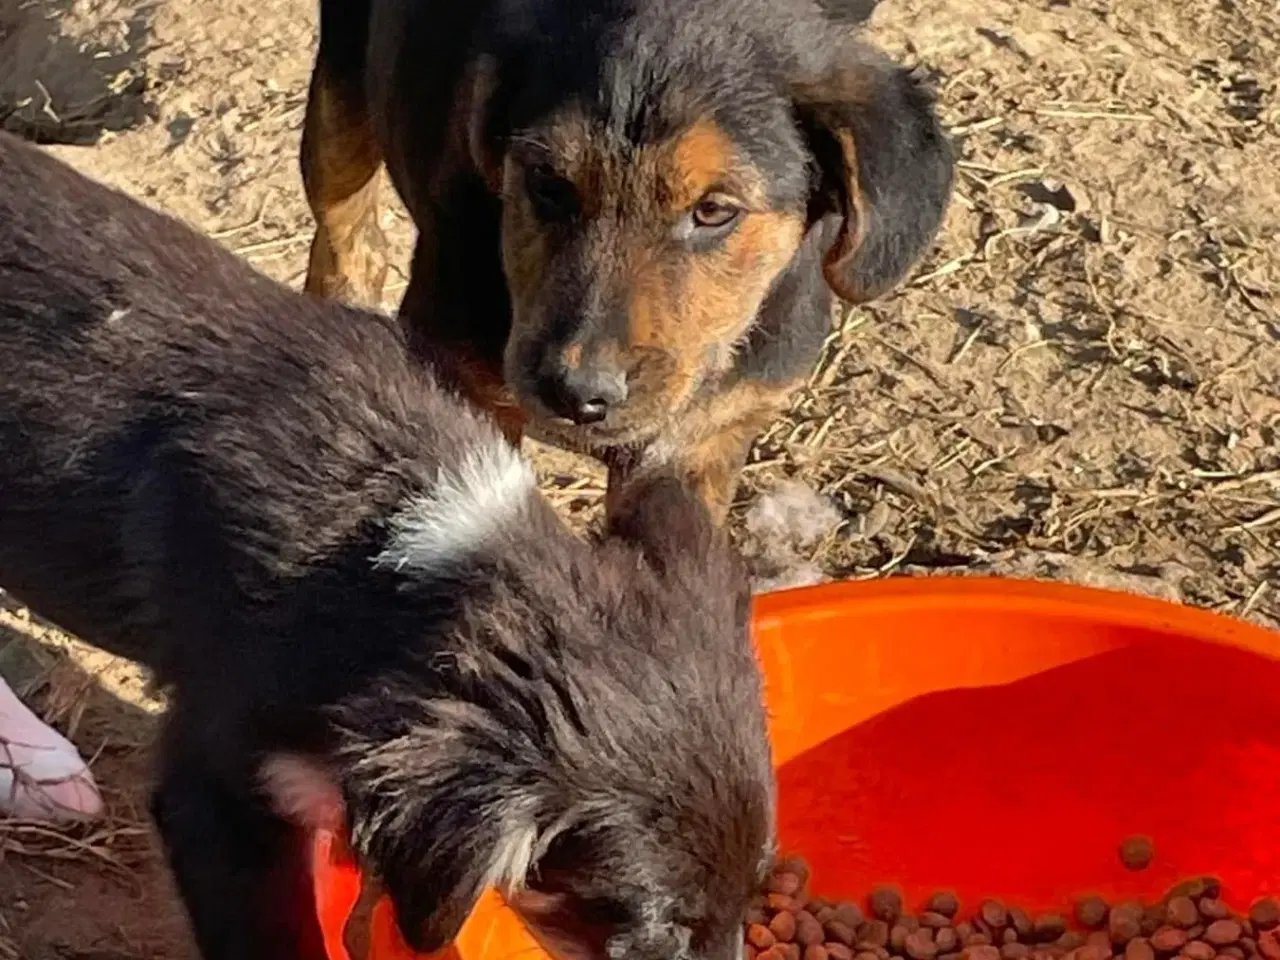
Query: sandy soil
[{"x": 1082, "y": 381}]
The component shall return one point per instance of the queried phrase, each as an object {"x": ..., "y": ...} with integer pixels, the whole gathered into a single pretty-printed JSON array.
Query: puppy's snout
[{"x": 583, "y": 390}]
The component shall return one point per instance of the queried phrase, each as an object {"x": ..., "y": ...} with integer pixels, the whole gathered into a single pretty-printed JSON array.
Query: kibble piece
[
  {"x": 1199, "y": 950},
  {"x": 964, "y": 929},
  {"x": 1044, "y": 953},
  {"x": 1137, "y": 852},
  {"x": 1020, "y": 920},
  {"x": 1236, "y": 953},
  {"x": 850, "y": 914},
  {"x": 872, "y": 934},
  {"x": 898, "y": 937},
  {"x": 1265, "y": 914},
  {"x": 1211, "y": 908},
  {"x": 793, "y": 864},
  {"x": 784, "y": 882},
  {"x": 976, "y": 940},
  {"x": 1196, "y": 932},
  {"x": 946, "y": 940},
  {"x": 1195, "y": 888},
  {"x": 1010, "y": 935},
  {"x": 1169, "y": 939},
  {"x": 789, "y": 951},
  {"x": 840, "y": 932},
  {"x": 882, "y": 952},
  {"x": 886, "y": 904},
  {"x": 993, "y": 913},
  {"x": 1222, "y": 932},
  {"x": 1091, "y": 912},
  {"x": 920, "y": 945},
  {"x": 1093, "y": 952},
  {"x": 1049, "y": 926},
  {"x": 838, "y": 951},
  {"x": 1154, "y": 917},
  {"x": 982, "y": 952},
  {"x": 1014, "y": 951},
  {"x": 1182, "y": 912},
  {"x": 1252, "y": 948},
  {"x": 749, "y": 952},
  {"x": 933, "y": 920},
  {"x": 1100, "y": 937},
  {"x": 808, "y": 930},
  {"x": 1125, "y": 922},
  {"x": 780, "y": 901},
  {"x": 1139, "y": 948},
  {"x": 783, "y": 926},
  {"x": 944, "y": 902},
  {"x": 1269, "y": 945},
  {"x": 867, "y": 955},
  {"x": 1070, "y": 940},
  {"x": 760, "y": 936},
  {"x": 773, "y": 953},
  {"x": 816, "y": 951}
]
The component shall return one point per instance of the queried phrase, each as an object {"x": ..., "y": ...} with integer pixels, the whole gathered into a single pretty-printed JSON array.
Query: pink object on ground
[{"x": 42, "y": 776}]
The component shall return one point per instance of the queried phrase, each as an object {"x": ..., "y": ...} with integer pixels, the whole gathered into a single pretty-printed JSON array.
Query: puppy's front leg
[{"x": 242, "y": 872}]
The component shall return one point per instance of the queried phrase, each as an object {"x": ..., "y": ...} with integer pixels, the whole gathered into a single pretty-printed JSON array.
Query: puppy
[
  {"x": 632, "y": 215},
  {"x": 368, "y": 617}
]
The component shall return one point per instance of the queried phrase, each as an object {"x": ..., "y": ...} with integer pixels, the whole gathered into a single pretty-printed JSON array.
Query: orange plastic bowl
[{"x": 998, "y": 738}]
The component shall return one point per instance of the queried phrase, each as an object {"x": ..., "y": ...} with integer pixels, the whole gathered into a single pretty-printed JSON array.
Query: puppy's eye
[
  {"x": 715, "y": 212},
  {"x": 554, "y": 198}
]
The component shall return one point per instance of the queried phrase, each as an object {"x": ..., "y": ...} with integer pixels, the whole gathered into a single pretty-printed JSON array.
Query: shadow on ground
[{"x": 71, "y": 70}]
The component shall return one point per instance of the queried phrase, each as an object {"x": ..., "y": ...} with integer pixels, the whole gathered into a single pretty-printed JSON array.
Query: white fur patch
[
  {"x": 302, "y": 792},
  {"x": 512, "y": 857},
  {"x": 467, "y": 505}
]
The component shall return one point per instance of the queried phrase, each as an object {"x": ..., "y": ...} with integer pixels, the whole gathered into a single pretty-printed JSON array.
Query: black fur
[{"x": 199, "y": 469}]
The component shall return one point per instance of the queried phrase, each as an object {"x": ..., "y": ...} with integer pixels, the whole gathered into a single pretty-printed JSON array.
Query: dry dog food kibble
[{"x": 786, "y": 922}]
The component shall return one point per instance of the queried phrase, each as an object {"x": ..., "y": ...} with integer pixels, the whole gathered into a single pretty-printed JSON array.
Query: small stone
[
  {"x": 886, "y": 904},
  {"x": 1169, "y": 939},
  {"x": 1091, "y": 912},
  {"x": 1222, "y": 932},
  {"x": 1265, "y": 914},
  {"x": 920, "y": 946},
  {"x": 981, "y": 952},
  {"x": 760, "y": 936},
  {"x": 945, "y": 903},
  {"x": 1199, "y": 950},
  {"x": 1048, "y": 927},
  {"x": 1211, "y": 908},
  {"x": 1139, "y": 948},
  {"x": 872, "y": 934},
  {"x": 1125, "y": 922},
  {"x": 993, "y": 913},
  {"x": 1137, "y": 852},
  {"x": 783, "y": 926},
  {"x": 1182, "y": 912},
  {"x": 1014, "y": 951},
  {"x": 838, "y": 951}
]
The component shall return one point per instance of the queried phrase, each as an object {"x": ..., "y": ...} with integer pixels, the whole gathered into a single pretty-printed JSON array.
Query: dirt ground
[{"x": 1082, "y": 381}]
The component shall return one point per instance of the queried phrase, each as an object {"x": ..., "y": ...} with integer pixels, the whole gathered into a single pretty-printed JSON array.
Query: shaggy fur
[
  {"x": 632, "y": 214},
  {"x": 245, "y": 489}
]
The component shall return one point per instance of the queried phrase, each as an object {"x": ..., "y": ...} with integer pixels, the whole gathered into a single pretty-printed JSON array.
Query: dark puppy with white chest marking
[
  {"x": 632, "y": 214},
  {"x": 368, "y": 616}
]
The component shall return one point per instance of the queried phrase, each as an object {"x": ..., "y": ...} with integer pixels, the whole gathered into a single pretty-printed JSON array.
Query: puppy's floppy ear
[
  {"x": 476, "y": 113},
  {"x": 444, "y": 799},
  {"x": 885, "y": 167}
]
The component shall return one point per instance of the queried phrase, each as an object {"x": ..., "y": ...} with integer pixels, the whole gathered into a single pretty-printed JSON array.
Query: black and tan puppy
[
  {"x": 632, "y": 214},
  {"x": 367, "y": 614}
]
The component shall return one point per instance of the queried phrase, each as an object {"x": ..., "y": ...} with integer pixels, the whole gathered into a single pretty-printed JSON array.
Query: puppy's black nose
[{"x": 585, "y": 394}]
